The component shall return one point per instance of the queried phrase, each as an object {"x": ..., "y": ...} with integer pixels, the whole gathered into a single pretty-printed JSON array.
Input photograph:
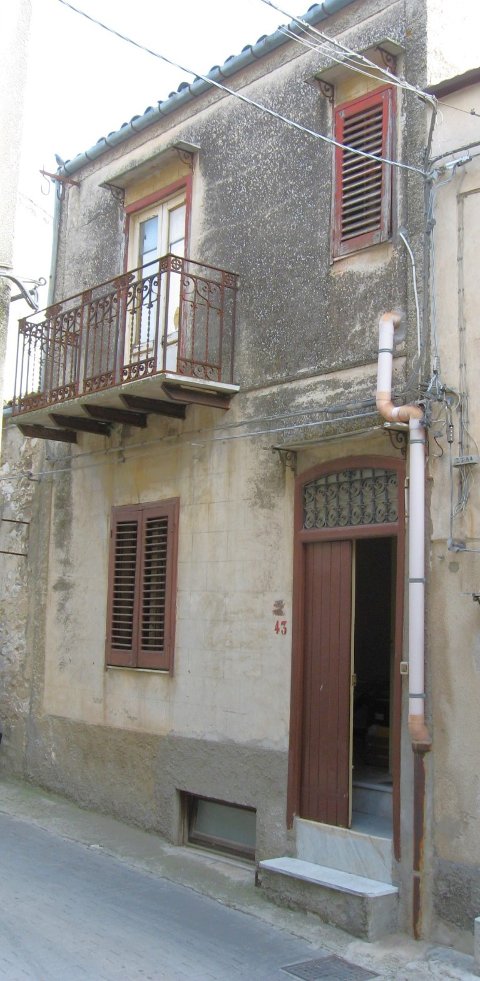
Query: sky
[
  {"x": 86, "y": 82},
  {"x": 83, "y": 82}
]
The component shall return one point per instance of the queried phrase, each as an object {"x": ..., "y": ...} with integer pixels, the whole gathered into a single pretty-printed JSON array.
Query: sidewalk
[{"x": 227, "y": 881}]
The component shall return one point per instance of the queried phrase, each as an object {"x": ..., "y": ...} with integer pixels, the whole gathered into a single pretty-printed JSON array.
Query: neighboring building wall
[
  {"x": 453, "y": 622},
  {"x": 15, "y": 24},
  {"x": 22, "y": 509},
  {"x": 452, "y": 39}
]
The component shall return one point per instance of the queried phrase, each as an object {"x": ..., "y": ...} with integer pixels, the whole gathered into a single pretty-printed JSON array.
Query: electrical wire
[
  {"x": 190, "y": 438},
  {"x": 415, "y": 289},
  {"x": 339, "y": 61},
  {"x": 460, "y": 149},
  {"x": 468, "y": 112},
  {"x": 311, "y": 30},
  {"x": 244, "y": 98}
]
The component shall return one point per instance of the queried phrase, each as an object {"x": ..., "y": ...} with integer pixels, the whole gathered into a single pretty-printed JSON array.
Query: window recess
[
  {"x": 362, "y": 205},
  {"x": 220, "y": 826},
  {"x": 142, "y": 585}
]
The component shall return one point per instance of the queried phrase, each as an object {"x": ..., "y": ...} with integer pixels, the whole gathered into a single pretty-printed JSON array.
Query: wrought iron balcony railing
[{"x": 172, "y": 316}]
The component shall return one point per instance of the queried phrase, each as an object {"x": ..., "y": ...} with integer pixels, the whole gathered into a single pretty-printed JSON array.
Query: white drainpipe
[{"x": 413, "y": 414}]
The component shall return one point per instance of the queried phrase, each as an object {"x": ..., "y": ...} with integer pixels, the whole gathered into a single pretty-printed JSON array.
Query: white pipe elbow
[{"x": 390, "y": 412}]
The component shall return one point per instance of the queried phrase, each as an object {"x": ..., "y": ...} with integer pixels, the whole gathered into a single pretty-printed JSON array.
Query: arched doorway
[{"x": 348, "y": 592}]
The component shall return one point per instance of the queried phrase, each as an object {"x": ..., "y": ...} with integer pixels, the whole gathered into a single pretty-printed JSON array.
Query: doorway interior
[{"x": 372, "y": 694}]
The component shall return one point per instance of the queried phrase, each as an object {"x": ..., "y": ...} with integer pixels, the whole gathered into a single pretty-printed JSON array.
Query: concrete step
[
  {"x": 362, "y": 854},
  {"x": 363, "y": 907}
]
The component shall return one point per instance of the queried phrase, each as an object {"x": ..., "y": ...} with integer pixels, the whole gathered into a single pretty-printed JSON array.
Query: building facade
[{"x": 213, "y": 640}]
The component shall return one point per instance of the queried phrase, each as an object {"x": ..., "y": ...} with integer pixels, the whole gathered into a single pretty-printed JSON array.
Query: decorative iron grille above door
[{"x": 364, "y": 496}]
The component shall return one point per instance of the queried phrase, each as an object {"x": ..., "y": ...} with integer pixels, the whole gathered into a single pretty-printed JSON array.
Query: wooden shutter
[
  {"x": 157, "y": 586},
  {"x": 363, "y": 187},
  {"x": 142, "y": 586}
]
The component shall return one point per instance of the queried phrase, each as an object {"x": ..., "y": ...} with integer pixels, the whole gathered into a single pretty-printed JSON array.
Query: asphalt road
[{"x": 72, "y": 913}]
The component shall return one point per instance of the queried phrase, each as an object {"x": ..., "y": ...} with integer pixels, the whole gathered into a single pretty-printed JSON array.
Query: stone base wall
[{"x": 140, "y": 777}]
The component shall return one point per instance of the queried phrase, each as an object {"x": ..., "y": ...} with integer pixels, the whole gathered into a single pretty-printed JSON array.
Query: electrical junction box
[{"x": 465, "y": 461}]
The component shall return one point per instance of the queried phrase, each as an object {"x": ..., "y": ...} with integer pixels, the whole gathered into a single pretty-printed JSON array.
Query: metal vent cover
[{"x": 331, "y": 968}]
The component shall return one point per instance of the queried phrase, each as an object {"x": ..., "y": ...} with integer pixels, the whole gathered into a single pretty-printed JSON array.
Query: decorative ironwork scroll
[
  {"x": 365, "y": 496},
  {"x": 172, "y": 315}
]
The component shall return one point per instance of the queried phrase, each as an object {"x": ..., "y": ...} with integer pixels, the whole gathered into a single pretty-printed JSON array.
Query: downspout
[
  {"x": 413, "y": 414},
  {"x": 54, "y": 252}
]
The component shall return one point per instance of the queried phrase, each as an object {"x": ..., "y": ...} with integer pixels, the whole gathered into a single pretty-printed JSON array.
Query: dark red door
[{"x": 325, "y": 761}]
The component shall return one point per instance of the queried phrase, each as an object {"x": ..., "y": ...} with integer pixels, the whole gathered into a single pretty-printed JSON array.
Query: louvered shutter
[
  {"x": 156, "y": 613},
  {"x": 363, "y": 187},
  {"x": 142, "y": 586},
  {"x": 125, "y": 551}
]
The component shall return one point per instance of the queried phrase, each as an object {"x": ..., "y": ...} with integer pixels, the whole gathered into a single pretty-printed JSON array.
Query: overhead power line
[
  {"x": 353, "y": 64},
  {"x": 346, "y": 51},
  {"x": 244, "y": 98}
]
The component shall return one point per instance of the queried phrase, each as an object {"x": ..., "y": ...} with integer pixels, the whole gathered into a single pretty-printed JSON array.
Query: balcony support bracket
[
  {"x": 123, "y": 416},
  {"x": 79, "y": 424},
  {"x": 188, "y": 396},
  {"x": 155, "y": 406},
  {"x": 46, "y": 432}
]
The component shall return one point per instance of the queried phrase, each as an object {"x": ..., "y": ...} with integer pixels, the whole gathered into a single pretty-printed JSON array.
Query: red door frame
[{"x": 301, "y": 537}]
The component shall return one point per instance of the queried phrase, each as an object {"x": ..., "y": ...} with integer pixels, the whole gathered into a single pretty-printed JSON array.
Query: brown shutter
[
  {"x": 142, "y": 586},
  {"x": 157, "y": 586},
  {"x": 363, "y": 187},
  {"x": 122, "y": 597}
]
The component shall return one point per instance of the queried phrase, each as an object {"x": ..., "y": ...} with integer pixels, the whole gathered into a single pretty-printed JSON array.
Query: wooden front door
[
  {"x": 339, "y": 506},
  {"x": 325, "y": 761}
]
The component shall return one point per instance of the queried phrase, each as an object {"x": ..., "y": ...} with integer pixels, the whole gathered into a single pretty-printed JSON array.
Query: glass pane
[
  {"x": 224, "y": 825},
  {"x": 148, "y": 239},
  {"x": 176, "y": 233}
]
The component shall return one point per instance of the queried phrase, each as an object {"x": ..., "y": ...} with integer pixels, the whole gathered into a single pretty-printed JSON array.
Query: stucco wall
[
  {"x": 453, "y": 623},
  {"x": 20, "y": 561},
  {"x": 307, "y": 337}
]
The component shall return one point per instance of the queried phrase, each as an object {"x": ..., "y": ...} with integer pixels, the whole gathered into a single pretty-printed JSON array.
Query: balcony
[{"x": 149, "y": 341}]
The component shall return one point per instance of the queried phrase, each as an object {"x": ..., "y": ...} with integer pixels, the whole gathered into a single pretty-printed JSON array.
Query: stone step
[
  {"x": 372, "y": 799},
  {"x": 366, "y": 908},
  {"x": 343, "y": 849}
]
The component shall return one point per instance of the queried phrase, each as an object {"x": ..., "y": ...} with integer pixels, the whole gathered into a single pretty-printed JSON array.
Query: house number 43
[{"x": 280, "y": 627}]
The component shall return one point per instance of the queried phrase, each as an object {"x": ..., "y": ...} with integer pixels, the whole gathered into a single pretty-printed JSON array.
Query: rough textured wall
[
  {"x": 17, "y": 504},
  {"x": 90, "y": 248}
]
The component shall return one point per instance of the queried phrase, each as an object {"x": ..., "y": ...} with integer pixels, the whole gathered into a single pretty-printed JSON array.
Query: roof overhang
[
  {"x": 381, "y": 53},
  {"x": 136, "y": 170}
]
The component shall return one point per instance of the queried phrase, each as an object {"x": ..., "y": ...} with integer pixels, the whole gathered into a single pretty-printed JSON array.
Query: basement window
[
  {"x": 222, "y": 827},
  {"x": 362, "y": 205}
]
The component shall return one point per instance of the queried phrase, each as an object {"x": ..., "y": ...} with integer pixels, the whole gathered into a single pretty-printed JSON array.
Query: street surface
[
  {"x": 85, "y": 897},
  {"x": 71, "y": 912}
]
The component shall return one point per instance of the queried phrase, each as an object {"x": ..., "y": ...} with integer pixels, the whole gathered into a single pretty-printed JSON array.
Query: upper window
[
  {"x": 155, "y": 232},
  {"x": 142, "y": 585},
  {"x": 362, "y": 207}
]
